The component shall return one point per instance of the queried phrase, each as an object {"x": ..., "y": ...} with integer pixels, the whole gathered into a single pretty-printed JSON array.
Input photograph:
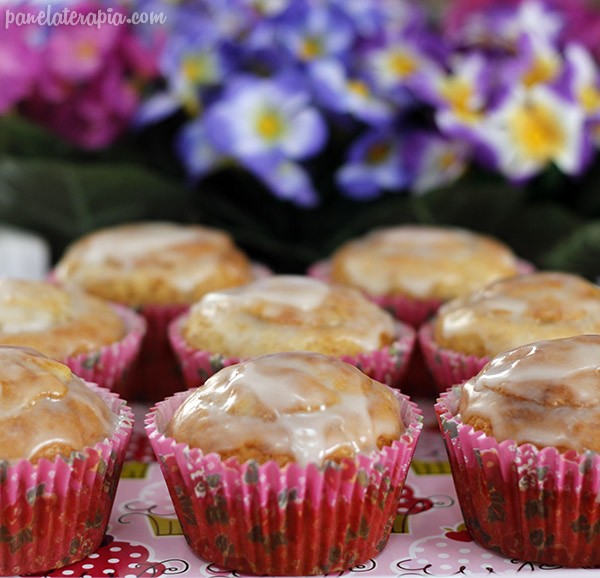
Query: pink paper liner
[
  {"x": 532, "y": 504},
  {"x": 55, "y": 513},
  {"x": 409, "y": 310},
  {"x": 156, "y": 375},
  {"x": 264, "y": 519},
  {"x": 387, "y": 365},
  {"x": 447, "y": 367},
  {"x": 110, "y": 366}
]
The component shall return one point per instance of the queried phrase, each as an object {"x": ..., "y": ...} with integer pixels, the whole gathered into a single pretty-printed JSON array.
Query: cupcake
[
  {"x": 523, "y": 441},
  {"x": 468, "y": 331},
  {"x": 98, "y": 340},
  {"x": 287, "y": 313},
  {"x": 412, "y": 269},
  {"x": 62, "y": 444},
  {"x": 286, "y": 464},
  {"x": 158, "y": 268}
]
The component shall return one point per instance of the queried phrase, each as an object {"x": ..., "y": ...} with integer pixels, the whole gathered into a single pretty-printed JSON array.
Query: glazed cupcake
[
  {"x": 468, "y": 331},
  {"x": 62, "y": 445},
  {"x": 523, "y": 441},
  {"x": 288, "y": 313},
  {"x": 98, "y": 340},
  {"x": 411, "y": 269},
  {"x": 286, "y": 464},
  {"x": 159, "y": 268}
]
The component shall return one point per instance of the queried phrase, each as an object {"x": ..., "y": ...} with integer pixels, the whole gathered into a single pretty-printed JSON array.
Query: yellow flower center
[
  {"x": 86, "y": 50},
  {"x": 589, "y": 96},
  {"x": 402, "y": 64},
  {"x": 197, "y": 69},
  {"x": 270, "y": 125},
  {"x": 457, "y": 92},
  {"x": 378, "y": 153},
  {"x": 311, "y": 48},
  {"x": 446, "y": 161},
  {"x": 358, "y": 87},
  {"x": 542, "y": 70},
  {"x": 537, "y": 132}
]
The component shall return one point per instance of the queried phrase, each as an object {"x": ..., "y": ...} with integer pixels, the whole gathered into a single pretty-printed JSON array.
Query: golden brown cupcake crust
[
  {"x": 511, "y": 312},
  {"x": 288, "y": 407},
  {"x": 284, "y": 313},
  {"x": 546, "y": 393},
  {"x": 422, "y": 262},
  {"x": 45, "y": 409},
  {"x": 57, "y": 321},
  {"x": 154, "y": 263}
]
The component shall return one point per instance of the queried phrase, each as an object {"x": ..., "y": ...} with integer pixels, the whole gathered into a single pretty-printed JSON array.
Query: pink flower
[{"x": 19, "y": 65}]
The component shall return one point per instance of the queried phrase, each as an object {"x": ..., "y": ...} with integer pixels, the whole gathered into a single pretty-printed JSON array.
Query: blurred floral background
[{"x": 297, "y": 124}]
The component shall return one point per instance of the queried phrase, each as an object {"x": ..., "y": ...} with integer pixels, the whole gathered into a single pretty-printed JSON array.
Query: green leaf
[
  {"x": 579, "y": 252},
  {"x": 22, "y": 138},
  {"x": 63, "y": 199}
]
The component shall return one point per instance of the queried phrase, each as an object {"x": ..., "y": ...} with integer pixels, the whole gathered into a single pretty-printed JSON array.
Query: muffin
[
  {"x": 286, "y": 464},
  {"x": 62, "y": 445},
  {"x": 96, "y": 339},
  {"x": 469, "y": 330},
  {"x": 522, "y": 439},
  {"x": 289, "y": 313},
  {"x": 412, "y": 269},
  {"x": 159, "y": 268}
]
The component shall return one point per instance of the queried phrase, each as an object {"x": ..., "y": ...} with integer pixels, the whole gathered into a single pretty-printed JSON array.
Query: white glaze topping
[
  {"x": 43, "y": 404},
  {"x": 129, "y": 243},
  {"x": 418, "y": 259},
  {"x": 36, "y": 306},
  {"x": 522, "y": 309},
  {"x": 540, "y": 393},
  {"x": 304, "y": 404},
  {"x": 291, "y": 312}
]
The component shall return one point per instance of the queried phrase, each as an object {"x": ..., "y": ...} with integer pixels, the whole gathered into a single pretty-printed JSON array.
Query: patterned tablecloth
[{"x": 429, "y": 539}]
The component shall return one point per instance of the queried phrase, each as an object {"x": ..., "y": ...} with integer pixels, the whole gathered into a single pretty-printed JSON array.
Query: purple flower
[
  {"x": 258, "y": 116},
  {"x": 286, "y": 179},
  {"x": 533, "y": 128},
  {"x": 196, "y": 150},
  {"x": 343, "y": 94},
  {"x": 315, "y": 31},
  {"x": 433, "y": 161},
  {"x": 374, "y": 165}
]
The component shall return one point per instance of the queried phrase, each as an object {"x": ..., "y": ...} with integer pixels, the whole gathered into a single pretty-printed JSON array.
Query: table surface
[{"x": 144, "y": 537}]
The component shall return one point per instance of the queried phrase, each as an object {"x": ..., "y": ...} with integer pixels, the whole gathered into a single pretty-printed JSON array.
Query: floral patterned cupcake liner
[
  {"x": 156, "y": 375},
  {"x": 387, "y": 365},
  {"x": 536, "y": 505},
  {"x": 447, "y": 367},
  {"x": 55, "y": 513},
  {"x": 264, "y": 519},
  {"x": 111, "y": 365}
]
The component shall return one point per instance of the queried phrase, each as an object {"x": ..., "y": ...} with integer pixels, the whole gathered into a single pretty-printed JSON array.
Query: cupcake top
[
  {"x": 422, "y": 262},
  {"x": 287, "y": 312},
  {"x": 522, "y": 309},
  {"x": 154, "y": 263},
  {"x": 45, "y": 410},
  {"x": 57, "y": 321},
  {"x": 289, "y": 407},
  {"x": 546, "y": 393}
]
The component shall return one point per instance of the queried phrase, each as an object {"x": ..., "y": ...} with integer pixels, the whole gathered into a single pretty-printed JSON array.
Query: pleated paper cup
[
  {"x": 55, "y": 513},
  {"x": 388, "y": 365},
  {"x": 537, "y": 505},
  {"x": 446, "y": 366},
  {"x": 111, "y": 366},
  {"x": 265, "y": 519}
]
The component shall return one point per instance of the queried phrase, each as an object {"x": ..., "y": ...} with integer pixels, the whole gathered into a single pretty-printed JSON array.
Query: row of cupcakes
[{"x": 276, "y": 450}]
